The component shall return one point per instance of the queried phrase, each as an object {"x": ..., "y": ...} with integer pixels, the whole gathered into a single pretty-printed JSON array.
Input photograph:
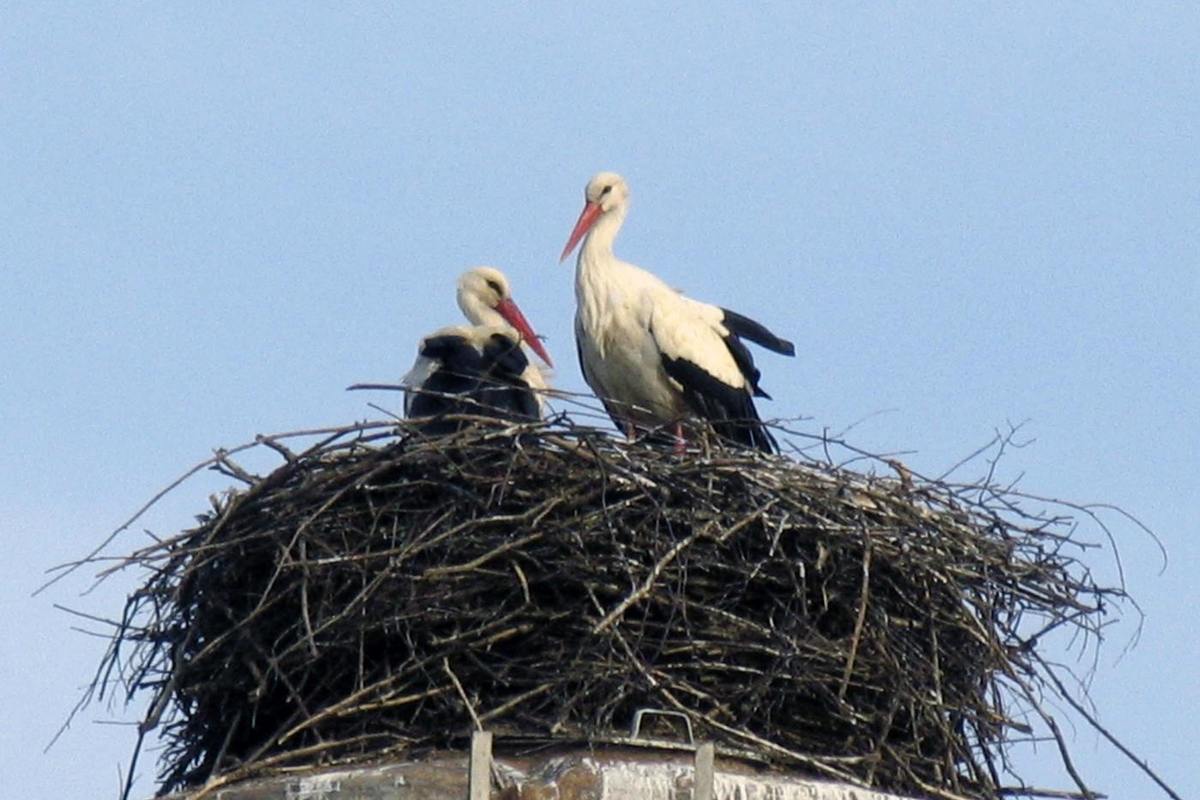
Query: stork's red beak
[
  {"x": 591, "y": 212},
  {"x": 508, "y": 309}
]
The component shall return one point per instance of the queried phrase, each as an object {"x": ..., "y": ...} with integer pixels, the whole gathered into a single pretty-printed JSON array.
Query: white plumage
[{"x": 652, "y": 355}]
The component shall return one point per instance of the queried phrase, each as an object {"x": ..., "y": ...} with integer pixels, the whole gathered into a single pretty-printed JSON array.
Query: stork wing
[
  {"x": 415, "y": 379},
  {"x": 503, "y": 386},
  {"x": 714, "y": 371}
]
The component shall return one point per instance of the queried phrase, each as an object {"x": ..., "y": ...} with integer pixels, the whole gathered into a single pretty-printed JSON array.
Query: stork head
[
  {"x": 607, "y": 190},
  {"x": 606, "y": 193},
  {"x": 486, "y": 299},
  {"x": 481, "y": 289}
]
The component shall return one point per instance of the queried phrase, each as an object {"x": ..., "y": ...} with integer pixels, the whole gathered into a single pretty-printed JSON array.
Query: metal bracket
[{"x": 635, "y": 730}]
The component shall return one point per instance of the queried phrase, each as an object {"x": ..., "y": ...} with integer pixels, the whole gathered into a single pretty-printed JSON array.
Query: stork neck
[
  {"x": 598, "y": 246},
  {"x": 598, "y": 279}
]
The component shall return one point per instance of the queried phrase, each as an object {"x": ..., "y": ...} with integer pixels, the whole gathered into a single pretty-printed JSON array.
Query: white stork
[
  {"x": 652, "y": 355},
  {"x": 480, "y": 369}
]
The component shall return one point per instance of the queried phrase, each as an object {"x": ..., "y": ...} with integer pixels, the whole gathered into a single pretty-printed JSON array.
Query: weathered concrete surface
[{"x": 604, "y": 773}]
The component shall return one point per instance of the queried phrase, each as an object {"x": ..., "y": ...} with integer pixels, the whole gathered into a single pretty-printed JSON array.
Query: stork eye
[
  {"x": 605, "y": 190},
  {"x": 495, "y": 287}
]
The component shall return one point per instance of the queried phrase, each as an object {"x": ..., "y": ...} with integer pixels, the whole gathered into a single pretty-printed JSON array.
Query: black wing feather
[
  {"x": 756, "y": 332},
  {"x": 739, "y": 327},
  {"x": 457, "y": 375},
  {"x": 468, "y": 381},
  {"x": 502, "y": 387},
  {"x": 745, "y": 363},
  {"x": 730, "y": 410}
]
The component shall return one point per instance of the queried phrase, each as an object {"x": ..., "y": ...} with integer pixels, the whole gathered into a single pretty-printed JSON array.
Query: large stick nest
[{"x": 386, "y": 592}]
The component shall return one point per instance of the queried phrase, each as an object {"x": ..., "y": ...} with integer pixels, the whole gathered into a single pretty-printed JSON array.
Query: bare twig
[{"x": 879, "y": 630}]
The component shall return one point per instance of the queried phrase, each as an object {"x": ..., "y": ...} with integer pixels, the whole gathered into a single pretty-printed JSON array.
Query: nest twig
[{"x": 382, "y": 592}]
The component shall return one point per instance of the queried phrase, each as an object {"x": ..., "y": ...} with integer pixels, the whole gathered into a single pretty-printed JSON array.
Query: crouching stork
[{"x": 481, "y": 369}]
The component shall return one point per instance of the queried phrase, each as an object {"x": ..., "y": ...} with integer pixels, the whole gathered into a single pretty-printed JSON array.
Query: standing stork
[
  {"x": 481, "y": 369},
  {"x": 652, "y": 355}
]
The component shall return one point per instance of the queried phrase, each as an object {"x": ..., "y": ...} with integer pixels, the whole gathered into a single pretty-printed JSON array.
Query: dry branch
[{"x": 385, "y": 592}]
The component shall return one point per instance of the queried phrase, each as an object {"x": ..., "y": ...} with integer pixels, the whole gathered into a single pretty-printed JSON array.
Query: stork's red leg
[{"x": 680, "y": 442}]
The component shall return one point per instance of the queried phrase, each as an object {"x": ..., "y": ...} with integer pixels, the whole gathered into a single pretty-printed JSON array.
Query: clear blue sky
[{"x": 214, "y": 219}]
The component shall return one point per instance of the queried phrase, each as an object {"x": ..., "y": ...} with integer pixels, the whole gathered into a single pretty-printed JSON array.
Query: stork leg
[
  {"x": 630, "y": 432},
  {"x": 680, "y": 442}
]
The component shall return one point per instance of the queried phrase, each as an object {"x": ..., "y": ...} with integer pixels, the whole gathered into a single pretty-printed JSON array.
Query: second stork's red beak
[
  {"x": 512, "y": 314},
  {"x": 587, "y": 218}
]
